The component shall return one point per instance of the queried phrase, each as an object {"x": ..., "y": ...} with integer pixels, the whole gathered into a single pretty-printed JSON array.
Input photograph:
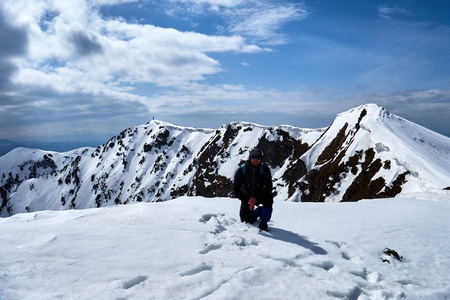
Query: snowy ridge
[
  {"x": 158, "y": 161},
  {"x": 195, "y": 248}
]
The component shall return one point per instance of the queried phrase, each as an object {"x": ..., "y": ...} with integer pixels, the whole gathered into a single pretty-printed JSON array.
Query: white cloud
[
  {"x": 72, "y": 48},
  {"x": 258, "y": 20},
  {"x": 254, "y": 49},
  {"x": 111, "y": 2},
  {"x": 81, "y": 66},
  {"x": 387, "y": 12},
  {"x": 263, "y": 20},
  {"x": 214, "y": 3},
  {"x": 230, "y": 99}
]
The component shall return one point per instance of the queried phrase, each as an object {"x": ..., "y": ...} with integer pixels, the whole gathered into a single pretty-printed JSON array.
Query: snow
[
  {"x": 158, "y": 161},
  {"x": 408, "y": 146},
  {"x": 196, "y": 248}
]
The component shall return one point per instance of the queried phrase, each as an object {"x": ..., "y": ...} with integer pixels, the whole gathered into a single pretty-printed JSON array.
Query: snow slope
[
  {"x": 194, "y": 248},
  {"x": 385, "y": 146}
]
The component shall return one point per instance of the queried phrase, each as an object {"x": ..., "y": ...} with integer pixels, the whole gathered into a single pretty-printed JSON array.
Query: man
[{"x": 253, "y": 186}]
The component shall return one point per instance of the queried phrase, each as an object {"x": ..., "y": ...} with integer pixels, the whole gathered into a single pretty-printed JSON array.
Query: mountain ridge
[{"x": 366, "y": 146}]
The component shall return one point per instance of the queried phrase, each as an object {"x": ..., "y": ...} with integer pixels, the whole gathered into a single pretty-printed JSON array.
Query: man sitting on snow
[{"x": 253, "y": 186}]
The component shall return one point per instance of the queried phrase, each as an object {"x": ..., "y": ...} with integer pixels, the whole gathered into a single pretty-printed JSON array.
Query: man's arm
[
  {"x": 269, "y": 183},
  {"x": 237, "y": 186}
]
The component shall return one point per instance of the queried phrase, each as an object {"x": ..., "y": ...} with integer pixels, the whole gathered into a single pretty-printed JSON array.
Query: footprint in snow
[
  {"x": 206, "y": 217},
  {"x": 345, "y": 254},
  {"x": 226, "y": 232},
  {"x": 352, "y": 294},
  {"x": 203, "y": 267},
  {"x": 219, "y": 222},
  {"x": 335, "y": 243},
  {"x": 133, "y": 282},
  {"x": 243, "y": 242},
  {"x": 210, "y": 247},
  {"x": 327, "y": 265}
]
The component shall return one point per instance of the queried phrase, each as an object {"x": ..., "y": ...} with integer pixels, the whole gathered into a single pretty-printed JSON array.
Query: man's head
[{"x": 255, "y": 157}]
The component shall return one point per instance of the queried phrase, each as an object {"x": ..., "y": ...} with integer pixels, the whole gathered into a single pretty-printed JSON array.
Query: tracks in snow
[
  {"x": 285, "y": 263},
  {"x": 332, "y": 263}
]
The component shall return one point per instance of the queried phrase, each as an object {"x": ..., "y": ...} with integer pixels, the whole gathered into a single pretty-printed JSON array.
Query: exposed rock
[{"x": 390, "y": 253}]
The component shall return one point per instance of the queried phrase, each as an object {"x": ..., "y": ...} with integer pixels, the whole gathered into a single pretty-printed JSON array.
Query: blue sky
[{"x": 87, "y": 69}]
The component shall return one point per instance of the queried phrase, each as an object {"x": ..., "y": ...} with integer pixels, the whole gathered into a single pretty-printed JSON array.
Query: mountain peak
[
  {"x": 365, "y": 153},
  {"x": 379, "y": 151},
  {"x": 357, "y": 114}
]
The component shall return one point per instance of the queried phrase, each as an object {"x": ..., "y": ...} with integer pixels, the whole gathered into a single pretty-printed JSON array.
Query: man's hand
[{"x": 251, "y": 203}]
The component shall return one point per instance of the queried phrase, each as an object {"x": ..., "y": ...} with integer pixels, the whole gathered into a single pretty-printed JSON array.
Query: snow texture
[{"x": 195, "y": 248}]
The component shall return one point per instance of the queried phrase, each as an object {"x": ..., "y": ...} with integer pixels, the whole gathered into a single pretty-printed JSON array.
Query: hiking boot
[{"x": 263, "y": 226}]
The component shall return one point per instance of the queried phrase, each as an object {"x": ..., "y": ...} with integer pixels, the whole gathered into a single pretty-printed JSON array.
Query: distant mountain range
[
  {"x": 8, "y": 145},
  {"x": 366, "y": 153}
]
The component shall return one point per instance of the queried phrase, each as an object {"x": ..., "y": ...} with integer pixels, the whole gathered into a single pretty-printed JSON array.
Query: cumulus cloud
[
  {"x": 78, "y": 63},
  {"x": 72, "y": 44},
  {"x": 85, "y": 45},
  {"x": 13, "y": 43},
  {"x": 73, "y": 48}
]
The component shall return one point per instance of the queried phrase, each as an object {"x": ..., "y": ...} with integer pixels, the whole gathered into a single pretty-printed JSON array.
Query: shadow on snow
[{"x": 294, "y": 238}]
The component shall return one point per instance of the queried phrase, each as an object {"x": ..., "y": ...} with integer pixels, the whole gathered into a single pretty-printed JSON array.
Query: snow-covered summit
[
  {"x": 365, "y": 153},
  {"x": 370, "y": 147}
]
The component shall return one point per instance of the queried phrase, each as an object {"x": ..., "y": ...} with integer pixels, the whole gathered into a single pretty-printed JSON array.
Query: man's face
[{"x": 255, "y": 161}]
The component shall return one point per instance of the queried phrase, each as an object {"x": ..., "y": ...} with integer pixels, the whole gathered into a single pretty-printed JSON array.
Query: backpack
[{"x": 261, "y": 168}]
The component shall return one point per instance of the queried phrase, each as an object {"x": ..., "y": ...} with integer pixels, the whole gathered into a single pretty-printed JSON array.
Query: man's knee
[
  {"x": 247, "y": 216},
  {"x": 266, "y": 214},
  {"x": 263, "y": 213}
]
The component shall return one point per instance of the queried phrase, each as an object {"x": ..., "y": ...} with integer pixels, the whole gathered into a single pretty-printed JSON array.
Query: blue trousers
[{"x": 264, "y": 214}]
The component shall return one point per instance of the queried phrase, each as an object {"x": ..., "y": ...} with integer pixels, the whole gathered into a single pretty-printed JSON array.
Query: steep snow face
[
  {"x": 365, "y": 153},
  {"x": 368, "y": 152}
]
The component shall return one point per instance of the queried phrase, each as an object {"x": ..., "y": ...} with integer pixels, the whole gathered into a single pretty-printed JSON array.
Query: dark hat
[{"x": 256, "y": 153}]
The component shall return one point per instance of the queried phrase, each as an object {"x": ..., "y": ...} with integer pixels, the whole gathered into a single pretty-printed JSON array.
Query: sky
[{"x": 87, "y": 69}]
